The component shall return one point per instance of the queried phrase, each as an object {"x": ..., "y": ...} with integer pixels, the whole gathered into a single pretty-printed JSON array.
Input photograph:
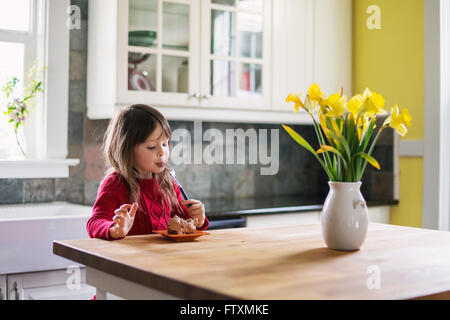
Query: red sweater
[{"x": 150, "y": 216}]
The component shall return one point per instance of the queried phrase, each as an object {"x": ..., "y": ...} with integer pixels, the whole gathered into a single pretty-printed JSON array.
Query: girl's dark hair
[{"x": 128, "y": 128}]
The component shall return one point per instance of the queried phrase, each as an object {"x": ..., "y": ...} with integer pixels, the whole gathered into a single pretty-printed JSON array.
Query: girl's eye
[{"x": 165, "y": 144}]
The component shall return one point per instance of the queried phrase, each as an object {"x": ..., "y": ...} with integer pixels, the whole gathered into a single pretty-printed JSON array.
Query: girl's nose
[{"x": 160, "y": 152}]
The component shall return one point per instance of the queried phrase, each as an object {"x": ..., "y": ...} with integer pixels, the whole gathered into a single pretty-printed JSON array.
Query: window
[
  {"x": 36, "y": 30},
  {"x": 17, "y": 48}
]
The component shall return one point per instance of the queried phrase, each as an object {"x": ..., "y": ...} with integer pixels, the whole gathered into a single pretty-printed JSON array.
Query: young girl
[{"x": 138, "y": 194}]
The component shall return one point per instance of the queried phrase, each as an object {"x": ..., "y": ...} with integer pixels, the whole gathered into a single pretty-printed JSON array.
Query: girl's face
[{"x": 151, "y": 155}]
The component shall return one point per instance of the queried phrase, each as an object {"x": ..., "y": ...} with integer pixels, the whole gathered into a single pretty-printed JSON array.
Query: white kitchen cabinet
[
  {"x": 380, "y": 214},
  {"x": 3, "y": 289},
  {"x": 312, "y": 43},
  {"x": 214, "y": 60},
  {"x": 280, "y": 219},
  {"x": 142, "y": 68},
  {"x": 206, "y": 54},
  {"x": 49, "y": 285},
  {"x": 236, "y": 54}
]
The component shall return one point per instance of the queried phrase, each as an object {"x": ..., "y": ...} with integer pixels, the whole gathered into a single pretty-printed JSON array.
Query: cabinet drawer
[{"x": 54, "y": 285}]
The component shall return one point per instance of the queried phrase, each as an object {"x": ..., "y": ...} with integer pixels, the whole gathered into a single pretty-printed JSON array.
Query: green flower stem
[
  {"x": 348, "y": 175},
  {"x": 18, "y": 143},
  {"x": 339, "y": 167},
  {"x": 370, "y": 151},
  {"x": 358, "y": 146},
  {"x": 326, "y": 156}
]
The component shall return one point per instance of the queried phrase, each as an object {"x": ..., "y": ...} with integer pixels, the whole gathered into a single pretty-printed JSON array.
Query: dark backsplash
[{"x": 299, "y": 172}]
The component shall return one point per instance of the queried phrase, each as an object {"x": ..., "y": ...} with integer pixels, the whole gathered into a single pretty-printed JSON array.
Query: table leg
[
  {"x": 109, "y": 286},
  {"x": 100, "y": 294}
]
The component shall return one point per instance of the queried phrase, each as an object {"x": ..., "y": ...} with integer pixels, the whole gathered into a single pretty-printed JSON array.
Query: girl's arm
[
  {"x": 101, "y": 220},
  {"x": 111, "y": 195}
]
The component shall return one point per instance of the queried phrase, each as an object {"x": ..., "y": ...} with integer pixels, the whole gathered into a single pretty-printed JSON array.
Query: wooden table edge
[
  {"x": 184, "y": 290},
  {"x": 143, "y": 277}
]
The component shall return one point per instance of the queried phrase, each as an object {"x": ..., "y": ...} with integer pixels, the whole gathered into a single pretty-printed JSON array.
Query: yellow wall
[{"x": 390, "y": 61}]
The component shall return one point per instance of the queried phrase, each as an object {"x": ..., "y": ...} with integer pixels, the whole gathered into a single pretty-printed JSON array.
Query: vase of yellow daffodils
[{"x": 347, "y": 134}]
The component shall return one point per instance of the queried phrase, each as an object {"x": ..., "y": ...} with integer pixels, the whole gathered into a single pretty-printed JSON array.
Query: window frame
[
  {"x": 436, "y": 150},
  {"x": 49, "y": 126}
]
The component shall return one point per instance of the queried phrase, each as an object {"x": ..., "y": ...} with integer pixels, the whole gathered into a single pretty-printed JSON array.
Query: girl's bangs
[{"x": 167, "y": 132}]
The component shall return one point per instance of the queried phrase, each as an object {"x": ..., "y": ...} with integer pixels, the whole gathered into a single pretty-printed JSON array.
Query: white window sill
[{"x": 36, "y": 169}]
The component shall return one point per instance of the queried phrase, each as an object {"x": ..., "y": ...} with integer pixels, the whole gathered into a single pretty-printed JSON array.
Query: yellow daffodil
[
  {"x": 323, "y": 110},
  {"x": 373, "y": 103},
  {"x": 310, "y": 105},
  {"x": 363, "y": 123},
  {"x": 336, "y": 105},
  {"x": 315, "y": 94},
  {"x": 296, "y": 99},
  {"x": 355, "y": 104},
  {"x": 323, "y": 121},
  {"x": 399, "y": 120},
  {"x": 328, "y": 131},
  {"x": 346, "y": 130}
]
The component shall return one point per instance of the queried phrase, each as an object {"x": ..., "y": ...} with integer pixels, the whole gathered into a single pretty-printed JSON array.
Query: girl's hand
[
  {"x": 195, "y": 210},
  {"x": 124, "y": 220}
]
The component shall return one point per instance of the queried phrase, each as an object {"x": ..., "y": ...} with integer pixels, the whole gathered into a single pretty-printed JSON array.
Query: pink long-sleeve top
[{"x": 150, "y": 216}]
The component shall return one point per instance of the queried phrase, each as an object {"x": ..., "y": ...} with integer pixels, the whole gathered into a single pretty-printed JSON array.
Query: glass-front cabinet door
[
  {"x": 162, "y": 52},
  {"x": 203, "y": 53},
  {"x": 235, "y": 54}
]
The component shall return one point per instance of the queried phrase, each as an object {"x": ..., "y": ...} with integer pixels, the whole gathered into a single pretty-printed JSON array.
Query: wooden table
[{"x": 289, "y": 262}]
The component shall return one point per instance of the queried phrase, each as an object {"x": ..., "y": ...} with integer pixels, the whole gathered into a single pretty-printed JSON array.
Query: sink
[
  {"x": 27, "y": 232},
  {"x": 43, "y": 211}
]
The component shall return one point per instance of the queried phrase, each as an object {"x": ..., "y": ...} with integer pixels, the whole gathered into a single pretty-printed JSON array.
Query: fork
[{"x": 172, "y": 173}]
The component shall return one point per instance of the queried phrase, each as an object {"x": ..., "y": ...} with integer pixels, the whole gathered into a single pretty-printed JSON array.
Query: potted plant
[{"x": 344, "y": 131}]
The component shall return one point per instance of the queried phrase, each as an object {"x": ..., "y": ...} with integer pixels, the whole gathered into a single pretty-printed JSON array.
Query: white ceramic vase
[{"x": 344, "y": 216}]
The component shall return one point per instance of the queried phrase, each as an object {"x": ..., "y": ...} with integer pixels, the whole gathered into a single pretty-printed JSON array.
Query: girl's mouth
[{"x": 160, "y": 164}]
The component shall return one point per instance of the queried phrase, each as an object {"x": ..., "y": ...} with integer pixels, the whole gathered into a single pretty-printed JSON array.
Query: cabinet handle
[
  {"x": 205, "y": 96},
  {"x": 195, "y": 95},
  {"x": 16, "y": 291}
]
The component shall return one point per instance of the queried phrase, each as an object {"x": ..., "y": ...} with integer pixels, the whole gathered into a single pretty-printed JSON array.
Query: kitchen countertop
[
  {"x": 284, "y": 262},
  {"x": 238, "y": 207}
]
